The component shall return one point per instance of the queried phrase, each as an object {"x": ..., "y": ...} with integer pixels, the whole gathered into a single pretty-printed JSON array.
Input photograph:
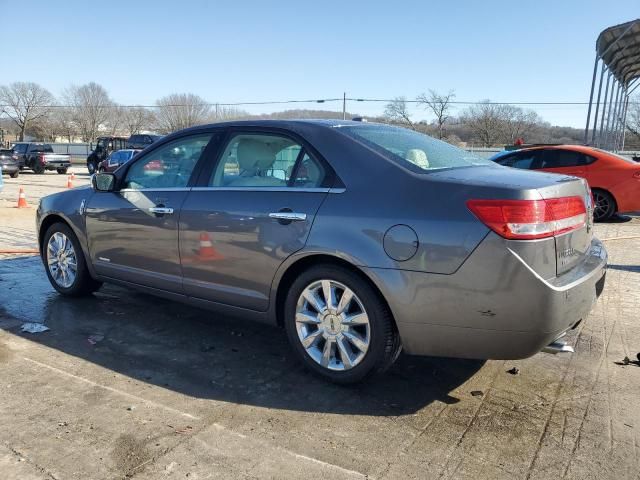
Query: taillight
[
  {"x": 530, "y": 219},
  {"x": 15, "y": 157}
]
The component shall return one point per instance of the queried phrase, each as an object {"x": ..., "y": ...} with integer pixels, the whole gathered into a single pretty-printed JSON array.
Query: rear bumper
[
  {"x": 56, "y": 165},
  {"x": 9, "y": 169},
  {"x": 494, "y": 307}
]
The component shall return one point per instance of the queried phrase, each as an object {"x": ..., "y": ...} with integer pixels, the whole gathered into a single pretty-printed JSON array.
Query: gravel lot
[{"x": 126, "y": 385}]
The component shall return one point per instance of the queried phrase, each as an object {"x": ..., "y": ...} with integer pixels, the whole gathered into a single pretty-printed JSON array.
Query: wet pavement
[{"x": 128, "y": 385}]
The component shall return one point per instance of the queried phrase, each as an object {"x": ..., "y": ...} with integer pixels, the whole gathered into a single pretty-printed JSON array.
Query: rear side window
[
  {"x": 563, "y": 158},
  {"x": 412, "y": 150},
  {"x": 44, "y": 148},
  {"x": 20, "y": 148}
]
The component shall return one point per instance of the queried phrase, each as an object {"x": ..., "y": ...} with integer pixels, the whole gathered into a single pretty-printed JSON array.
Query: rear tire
[
  {"x": 38, "y": 169},
  {"x": 62, "y": 171},
  {"x": 15, "y": 174},
  {"x": 338, "y": 345},
  {"x": 60, "y": 251},
  {"x": 604, "y": 205}
]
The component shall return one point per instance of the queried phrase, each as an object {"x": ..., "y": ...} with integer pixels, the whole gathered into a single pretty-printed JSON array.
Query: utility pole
[{"x": 344, "y": 105}]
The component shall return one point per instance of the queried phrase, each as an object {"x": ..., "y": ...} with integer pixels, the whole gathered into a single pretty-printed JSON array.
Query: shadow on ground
[
  {"x": 204, "y": 355},
  {"x": 624, "y": 268}
]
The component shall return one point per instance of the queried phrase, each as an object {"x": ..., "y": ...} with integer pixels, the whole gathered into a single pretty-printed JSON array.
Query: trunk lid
[{"x": 503, "y": 183}]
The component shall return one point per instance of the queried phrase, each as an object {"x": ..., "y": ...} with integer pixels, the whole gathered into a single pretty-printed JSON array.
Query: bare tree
[
  {"x": 440, "y": 105},
  {"x": 137, "y": 119},
  {"x": 221, "y": 113},
  {"x": 181, "y": 110},
  {"x": 25, "y": 103},
  {"x": 397, "y": 111},
  {"x": 633, "y": 116},
  {"x": 485, "y": 120},
  {"x": 91, "y": 109},
  {"x": 517, "y": 122}
]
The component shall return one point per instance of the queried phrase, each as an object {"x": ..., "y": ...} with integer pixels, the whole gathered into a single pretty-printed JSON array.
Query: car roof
[{"x": 285, "y": 124}]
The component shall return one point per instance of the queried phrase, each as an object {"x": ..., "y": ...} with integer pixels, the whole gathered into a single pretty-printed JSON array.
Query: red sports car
[{"x": 614, "y": 179}]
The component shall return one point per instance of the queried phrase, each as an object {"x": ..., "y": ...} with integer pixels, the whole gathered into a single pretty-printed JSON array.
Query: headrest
[
  {"x": 253, "y": 155},
  {"x": 417, "y": 157}
]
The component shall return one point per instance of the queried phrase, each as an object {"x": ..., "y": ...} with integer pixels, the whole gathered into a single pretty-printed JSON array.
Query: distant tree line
[{"x": 86, "y": 111}]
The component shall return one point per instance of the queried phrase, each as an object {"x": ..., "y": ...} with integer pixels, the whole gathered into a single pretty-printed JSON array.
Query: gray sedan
[{"x": 359, "y": 239}]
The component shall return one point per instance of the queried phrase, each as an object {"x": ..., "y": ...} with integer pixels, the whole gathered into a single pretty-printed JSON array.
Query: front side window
[
  {"x": 169, "y": 166},
  {"x": 412, "y": 150},
  {"x": 261, "y": 160},
  {"x": 20, "y": 148}
]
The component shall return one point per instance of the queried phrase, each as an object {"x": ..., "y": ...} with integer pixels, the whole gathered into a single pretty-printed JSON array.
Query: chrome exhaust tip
[{"x": 558, "y": 346}]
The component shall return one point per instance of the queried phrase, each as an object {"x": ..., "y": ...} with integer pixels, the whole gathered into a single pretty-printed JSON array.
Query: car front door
[
  {"x": 253, "y": 209},
  {"x": 133, "y": 232}
]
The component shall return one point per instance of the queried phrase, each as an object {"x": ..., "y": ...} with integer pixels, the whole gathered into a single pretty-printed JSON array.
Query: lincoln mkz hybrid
[{"x": 359, "y": 239}]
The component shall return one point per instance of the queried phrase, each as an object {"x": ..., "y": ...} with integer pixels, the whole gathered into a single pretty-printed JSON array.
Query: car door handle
[
  {"x": 289, "y": 216},
  {"x": 161, "y": 210}
]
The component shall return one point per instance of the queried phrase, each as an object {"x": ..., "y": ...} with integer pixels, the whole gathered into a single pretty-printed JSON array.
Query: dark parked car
[
  {"x": 359, "y": 239},
  {"x": 115, "y": 159},
  {"x": 141, "y": 141},
  {"x": 9, "y": 163},
  {"x": 40, "y": 157},
  {"x": 104, "y": 146}
]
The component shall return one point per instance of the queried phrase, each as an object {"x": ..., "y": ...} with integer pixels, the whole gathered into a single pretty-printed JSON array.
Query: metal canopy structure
[{"x": 618, "y": 60}]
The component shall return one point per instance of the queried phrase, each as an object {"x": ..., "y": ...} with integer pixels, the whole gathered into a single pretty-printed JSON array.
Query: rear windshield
[
  {"x": 44, "y": 148},
  {"x": 415, "y": 151}
]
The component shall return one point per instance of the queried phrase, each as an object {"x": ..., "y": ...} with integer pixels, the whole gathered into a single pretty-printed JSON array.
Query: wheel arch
[
  {"x": 609, "y": 192},
  {"x": 304, "y": 262}
]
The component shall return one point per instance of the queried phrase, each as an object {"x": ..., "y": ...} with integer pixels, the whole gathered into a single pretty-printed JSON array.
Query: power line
[{"x": 324, "y": 100}]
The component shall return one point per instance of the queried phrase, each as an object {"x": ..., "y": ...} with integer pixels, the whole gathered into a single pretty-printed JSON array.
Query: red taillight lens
[{"x": 530, "y": 219}]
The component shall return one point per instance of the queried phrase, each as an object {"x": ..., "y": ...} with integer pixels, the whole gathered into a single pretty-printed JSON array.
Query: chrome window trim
[
  {"x": 164, "y": 189},
  {"x": 261, "y": 189},
  {"x": 236, "y": 189}
]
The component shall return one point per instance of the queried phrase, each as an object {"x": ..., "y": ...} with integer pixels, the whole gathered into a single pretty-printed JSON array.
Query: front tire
[
  {"x": 65, "y": 264},
  {"x": 38, "y": 169},
  {"x": 61, "y": 171},
  {"x": 604, "y": 205},
  {"x": 339, "y": 326}
]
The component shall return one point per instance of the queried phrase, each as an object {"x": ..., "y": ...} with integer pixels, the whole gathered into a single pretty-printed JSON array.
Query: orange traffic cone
[
  {"x": 206, "y": 250},
  {"x": 69, "y": 182},
  {"x": 22, "y": 199},
  {"x": 73, "y": 177}
]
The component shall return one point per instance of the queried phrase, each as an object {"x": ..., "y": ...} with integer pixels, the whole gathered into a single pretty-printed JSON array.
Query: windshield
[{"x": 415, "y": 151}]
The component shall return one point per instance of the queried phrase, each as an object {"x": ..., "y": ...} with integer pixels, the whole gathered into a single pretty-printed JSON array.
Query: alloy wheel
[
  {"x": 333, "y": 325},
  {"x": 61, "y": 260},
  {"x": 602, "y": 205}
]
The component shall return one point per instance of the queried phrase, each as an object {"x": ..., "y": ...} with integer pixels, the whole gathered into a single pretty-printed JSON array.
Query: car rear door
[
  {"x": 566, "y": 162},
  {"x": 250, "y": 211},
  {"x": 133, "y": 232}
]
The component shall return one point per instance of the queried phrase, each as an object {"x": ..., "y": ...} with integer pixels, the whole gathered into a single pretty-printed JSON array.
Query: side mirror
[{"x": 103, "y": 182}]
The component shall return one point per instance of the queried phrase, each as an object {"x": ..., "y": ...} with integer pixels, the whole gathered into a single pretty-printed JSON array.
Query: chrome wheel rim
[
  {"x": 601, "y": 207},
  {"x": 333, "y": 325},
  {"x": 61, "y": 260}
]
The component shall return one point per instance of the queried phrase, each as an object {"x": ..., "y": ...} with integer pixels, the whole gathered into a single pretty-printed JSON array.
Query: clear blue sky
[{"x": 275, "y": 50}]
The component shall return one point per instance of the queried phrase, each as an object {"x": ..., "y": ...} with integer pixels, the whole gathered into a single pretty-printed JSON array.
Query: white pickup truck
[{"x": 39, "y": 157}]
